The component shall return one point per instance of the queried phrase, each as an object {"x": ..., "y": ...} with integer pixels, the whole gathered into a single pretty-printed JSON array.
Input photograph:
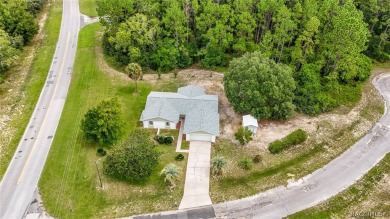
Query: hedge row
[{"x": 296, "y": 137}]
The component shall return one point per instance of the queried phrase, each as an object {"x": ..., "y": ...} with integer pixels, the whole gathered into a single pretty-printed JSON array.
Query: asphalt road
[
  {"x": 21, "y": 179},
  {"x": 309, "y": 191},
  {"x": 323, "y": 183}
]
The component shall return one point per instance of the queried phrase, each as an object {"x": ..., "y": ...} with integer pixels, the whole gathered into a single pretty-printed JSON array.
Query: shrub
[
  {"x": 218, "y": 165},
  {"x": 162, "y": 139},
  {"x": 101, "y": 152},
  {"x": 171, "y": 172},
  {"x": 103, "y": 124},
  {"x": 134, "y": 160},
  {"x": 245, "y": 164},
  {"x": 179, "y": 157},
  {"x": 243, "y": 135},
  {"x": 257, "y": 159},
  {"x": 296, "y": 137},
  {"x": 168, "y": 139}
]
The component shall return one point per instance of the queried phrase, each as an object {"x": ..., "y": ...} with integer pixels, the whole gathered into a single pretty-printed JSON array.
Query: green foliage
[
  {"x": 310, "y": 95},
  {"x": 257, "y": 85},
  {"x": 168, "y": 140},
  {"x": 162, "y": 139},
  {"x": 179, "y": 157},
  {"x": 245, "y": 163},
  {"x": 376, "y": 15},
  {"x": 8, "y": 54},
  {"x": 170, "y": 173},
  {"x": 35, "y": 6},
  {"x": 101, "y": 152},
  {"x": 103, "y": 124},
  {"x": 243, "y": 135},
  {"x": 134, "y": 160},
  {"x": 296, "y": 137},
  {"x": 325, "y": 42},
  {"x": 218, "y": 165},
  {"x": 134, "y": 71},
  {"x": 16, "y": 20}
]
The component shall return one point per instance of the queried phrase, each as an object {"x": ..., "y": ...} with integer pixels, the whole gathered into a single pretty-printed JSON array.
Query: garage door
[{"x": 200, "y": 137}]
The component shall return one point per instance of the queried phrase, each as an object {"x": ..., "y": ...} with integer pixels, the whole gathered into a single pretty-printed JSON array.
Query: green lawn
[
  {"x": 69, "y": 183},
  {"x": 342, "y": 205},
  {"x": 88, "y": 7},
  {"x": 35, "y": 80}
]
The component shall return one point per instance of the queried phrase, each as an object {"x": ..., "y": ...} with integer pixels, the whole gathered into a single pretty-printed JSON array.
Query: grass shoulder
[
  {"x": 368, "y": 194},
  {"x": 28, "y": 93},
  {"x": 88, "y": 7}
]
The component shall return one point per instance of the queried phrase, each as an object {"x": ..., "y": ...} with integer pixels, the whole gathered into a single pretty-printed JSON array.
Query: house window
[
  {"x": 150, "y": 123},
  {"x": 168, "y": 125}
]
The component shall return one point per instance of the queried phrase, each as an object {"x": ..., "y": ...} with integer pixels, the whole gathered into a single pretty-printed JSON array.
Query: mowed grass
[
  {"x": 35, "y": 80},
  {"x": 69, "y": 184},
  {"x": 345, "y": 203},
  {"x": 88, "y": 7}
]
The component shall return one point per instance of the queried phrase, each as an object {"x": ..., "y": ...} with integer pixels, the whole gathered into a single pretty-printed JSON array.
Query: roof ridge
[{"x": 161, "y": 106}]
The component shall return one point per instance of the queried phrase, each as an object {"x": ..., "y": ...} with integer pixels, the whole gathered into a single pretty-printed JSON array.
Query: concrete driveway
[
  {"x": 196, "y": 188},
  {"x": 324, "y": 183}
]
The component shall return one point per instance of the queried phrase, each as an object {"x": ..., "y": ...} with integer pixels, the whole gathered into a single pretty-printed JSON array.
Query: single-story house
[
  {"x": 250, "y": 122},
  {"x": 200, "y": 112}
]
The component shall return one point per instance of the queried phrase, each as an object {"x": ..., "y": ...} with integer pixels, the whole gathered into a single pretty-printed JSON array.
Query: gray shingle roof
[
  {"x": 200, "y": 110},
  {"x": 191, "y": 91}
]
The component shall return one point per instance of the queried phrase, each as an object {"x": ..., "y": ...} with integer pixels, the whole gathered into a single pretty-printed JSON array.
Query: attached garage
[{"x": 200, "y": 137}]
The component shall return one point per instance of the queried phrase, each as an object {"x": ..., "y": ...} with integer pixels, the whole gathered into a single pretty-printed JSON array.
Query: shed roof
[{"x": 249, "y": 120}]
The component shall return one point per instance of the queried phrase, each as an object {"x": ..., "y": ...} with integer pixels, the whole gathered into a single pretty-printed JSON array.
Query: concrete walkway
[{"x": 196, "y": 188}]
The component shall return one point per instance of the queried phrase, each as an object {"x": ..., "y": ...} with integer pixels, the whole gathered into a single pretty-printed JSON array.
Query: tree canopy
[
  {"x": 17, "y": 28},
  {"x": 134, "y": 71},
  {"x": 134, "y": 160},
  {"x": 257, "y": 85},
  {"x": 8, "y": 54},
  {"x": 334, "y": 39},
  {"x": 103, "y": 124}
]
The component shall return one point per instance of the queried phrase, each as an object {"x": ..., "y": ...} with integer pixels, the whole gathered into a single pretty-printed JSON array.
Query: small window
[
  {"x": 167, "y": 124},
  {"x": 150, "y": 122}
]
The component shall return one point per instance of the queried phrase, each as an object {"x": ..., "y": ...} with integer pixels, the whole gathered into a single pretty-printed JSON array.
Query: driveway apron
[{"x": 196, "y": 188}]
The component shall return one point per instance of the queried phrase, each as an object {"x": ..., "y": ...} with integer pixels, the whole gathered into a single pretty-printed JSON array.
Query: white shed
[{"x": 250, "y": 122}]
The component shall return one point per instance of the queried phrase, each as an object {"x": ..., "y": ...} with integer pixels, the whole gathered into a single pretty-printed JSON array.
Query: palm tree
[
  {"x": 134, "y": 71},
  {"x": 244, "y": 135},
  {"x": 171, "y": 172},
  {"x": 218, "y": 165}
]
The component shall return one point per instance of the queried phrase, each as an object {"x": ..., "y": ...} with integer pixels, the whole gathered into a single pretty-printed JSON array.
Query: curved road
[
  {"x": 21, "y": 179},
  {"x": 325, "y": 182}
]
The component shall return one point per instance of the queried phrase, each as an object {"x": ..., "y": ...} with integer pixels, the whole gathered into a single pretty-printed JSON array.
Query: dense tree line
[
  {"x": 17, "y": 27},
  {"x": 327, "y": 43}
]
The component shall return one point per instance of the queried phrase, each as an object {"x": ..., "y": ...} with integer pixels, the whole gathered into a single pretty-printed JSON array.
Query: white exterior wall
[
  {"x": 200, "y": 136},
  {"x": 160, "y": 125},
  {"x": 252, "y": 128}
]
